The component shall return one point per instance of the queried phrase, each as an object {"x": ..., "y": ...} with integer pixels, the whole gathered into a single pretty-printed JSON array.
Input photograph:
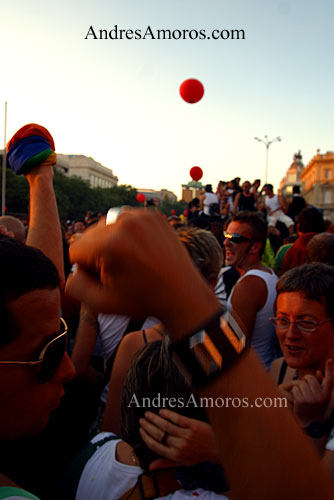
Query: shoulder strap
[
  {"x": 282, "y": 372},
  {"x": 150, "y": 486}
]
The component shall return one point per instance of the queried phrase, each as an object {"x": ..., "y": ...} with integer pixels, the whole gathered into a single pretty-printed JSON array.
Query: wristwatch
[
  {"x": 318, "y": 429},
  {"x": 211, "y": 350}
]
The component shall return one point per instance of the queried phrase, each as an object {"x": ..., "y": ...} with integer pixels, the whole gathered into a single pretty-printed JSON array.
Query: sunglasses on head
[
  {"x": 235, "y": 237},
  {"x": 50, "y": 356}
]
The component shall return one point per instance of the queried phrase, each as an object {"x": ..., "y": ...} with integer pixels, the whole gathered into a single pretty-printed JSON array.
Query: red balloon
[
  {"x": 172, "y": 212},
  {"x": 140, "y": 197},
  {"x": 196, "y": 173},
  {"x": 191, "y": 90}
]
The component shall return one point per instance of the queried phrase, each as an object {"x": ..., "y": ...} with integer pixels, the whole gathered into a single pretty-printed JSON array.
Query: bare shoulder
[
  {"x": 250, "y": 283},
  {"x": 134, "y": 340}
]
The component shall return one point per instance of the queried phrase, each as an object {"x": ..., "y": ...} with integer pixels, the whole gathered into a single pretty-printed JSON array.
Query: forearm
[
  {"x": 85, "y": 341},
  {"x": 235, "y": 205},
  {"x": 181, "y": 320},
  {"x": 262, "y": 445},
  {"x": 44, "y": 224},
  {"x": 145, "y": 270}
]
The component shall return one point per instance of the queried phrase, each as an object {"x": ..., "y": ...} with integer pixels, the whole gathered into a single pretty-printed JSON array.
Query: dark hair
[
  {"x": 257, "y": 224},
  {"x": 208, "y": 188},
  {"x": 314, "y": 281},
  {"x": 311, "y": 220},
  {"x": 321, "y": 249},
  {"x": 23, "y": 269},
  {"x": 296, "y": 189},
  {"x": 153, "y": 375},
  {"x": 193, "y": 203}
]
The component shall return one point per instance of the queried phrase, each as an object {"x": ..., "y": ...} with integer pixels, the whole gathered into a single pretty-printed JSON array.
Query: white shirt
[
  {"x": 272, "y": 203},
  {"x": 209, "y": 199},
  {"x": 103, "y": 477}
]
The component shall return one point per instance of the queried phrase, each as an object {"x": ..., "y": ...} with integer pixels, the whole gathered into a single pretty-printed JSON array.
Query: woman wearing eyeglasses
[{"x": 305, "y": 329}]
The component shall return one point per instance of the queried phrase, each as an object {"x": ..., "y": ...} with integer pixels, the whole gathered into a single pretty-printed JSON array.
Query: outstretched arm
[{"x": 143, "y": 269}]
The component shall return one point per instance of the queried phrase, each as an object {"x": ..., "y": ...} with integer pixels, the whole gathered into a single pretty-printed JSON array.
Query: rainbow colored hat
[{"x": 30, "y": 146}]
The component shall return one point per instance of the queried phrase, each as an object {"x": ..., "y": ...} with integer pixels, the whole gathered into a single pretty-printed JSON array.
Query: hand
[
  {"x": 311, "y": 396},
  {"x": 138, "y": 267},
  {"x": 44, "y": 170},
  {"x": 186, "y": 441},
  {"x": 285, "y": 391},
  {"x": 5, "y": 232}
]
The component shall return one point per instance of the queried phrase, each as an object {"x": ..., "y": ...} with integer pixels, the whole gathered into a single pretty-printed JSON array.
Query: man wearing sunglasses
[
  {"x": 253, "y": 296},
  {"x": 33, "y": 360}
]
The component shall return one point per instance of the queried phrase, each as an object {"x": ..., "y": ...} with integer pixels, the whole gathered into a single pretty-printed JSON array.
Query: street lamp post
[{"x": 267, "y": 143}]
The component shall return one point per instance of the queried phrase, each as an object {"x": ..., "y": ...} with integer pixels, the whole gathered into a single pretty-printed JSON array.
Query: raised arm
[
  {"x": 31, "y": 152},
  {"x": 236, "y": 203},
  {"x": 144, "y": 269},
  {"x": 44, "y": 230}
]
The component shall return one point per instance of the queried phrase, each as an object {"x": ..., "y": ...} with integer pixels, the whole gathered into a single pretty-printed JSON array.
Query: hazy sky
[{"x": 118, "y": 100}]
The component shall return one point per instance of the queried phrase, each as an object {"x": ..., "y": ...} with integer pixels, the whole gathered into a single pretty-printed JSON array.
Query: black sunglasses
[
  {"x": 235, "y": 237},
  {"x": 50, "y": 356}
]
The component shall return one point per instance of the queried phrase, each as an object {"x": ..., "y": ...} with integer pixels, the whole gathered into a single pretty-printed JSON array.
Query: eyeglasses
[
  {"x": 303, "y": 325},
  {"x": 50, "y": 356},
  {"x": 235, "y": 238}
]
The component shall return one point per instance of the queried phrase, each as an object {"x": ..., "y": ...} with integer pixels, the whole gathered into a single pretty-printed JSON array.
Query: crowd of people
[{"x": 175, "y": 333}]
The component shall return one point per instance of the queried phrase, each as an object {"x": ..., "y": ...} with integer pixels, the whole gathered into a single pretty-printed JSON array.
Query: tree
[
  {"x": 168, "y": 205},
  {"x": 74, "y": 195}
]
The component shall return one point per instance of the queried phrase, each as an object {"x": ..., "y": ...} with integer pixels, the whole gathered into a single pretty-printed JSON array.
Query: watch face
[
  {"x": 233, "y": 332},
  {"x": 213, "y": 349},
  {"x": 206, "y": 353}
]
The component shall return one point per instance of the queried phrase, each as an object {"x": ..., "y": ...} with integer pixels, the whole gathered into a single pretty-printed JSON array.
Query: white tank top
[
  {"x": 272, "y": 203},
  {"x": 263, "y": 338},
  {"x": 209, "y": 199}
]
